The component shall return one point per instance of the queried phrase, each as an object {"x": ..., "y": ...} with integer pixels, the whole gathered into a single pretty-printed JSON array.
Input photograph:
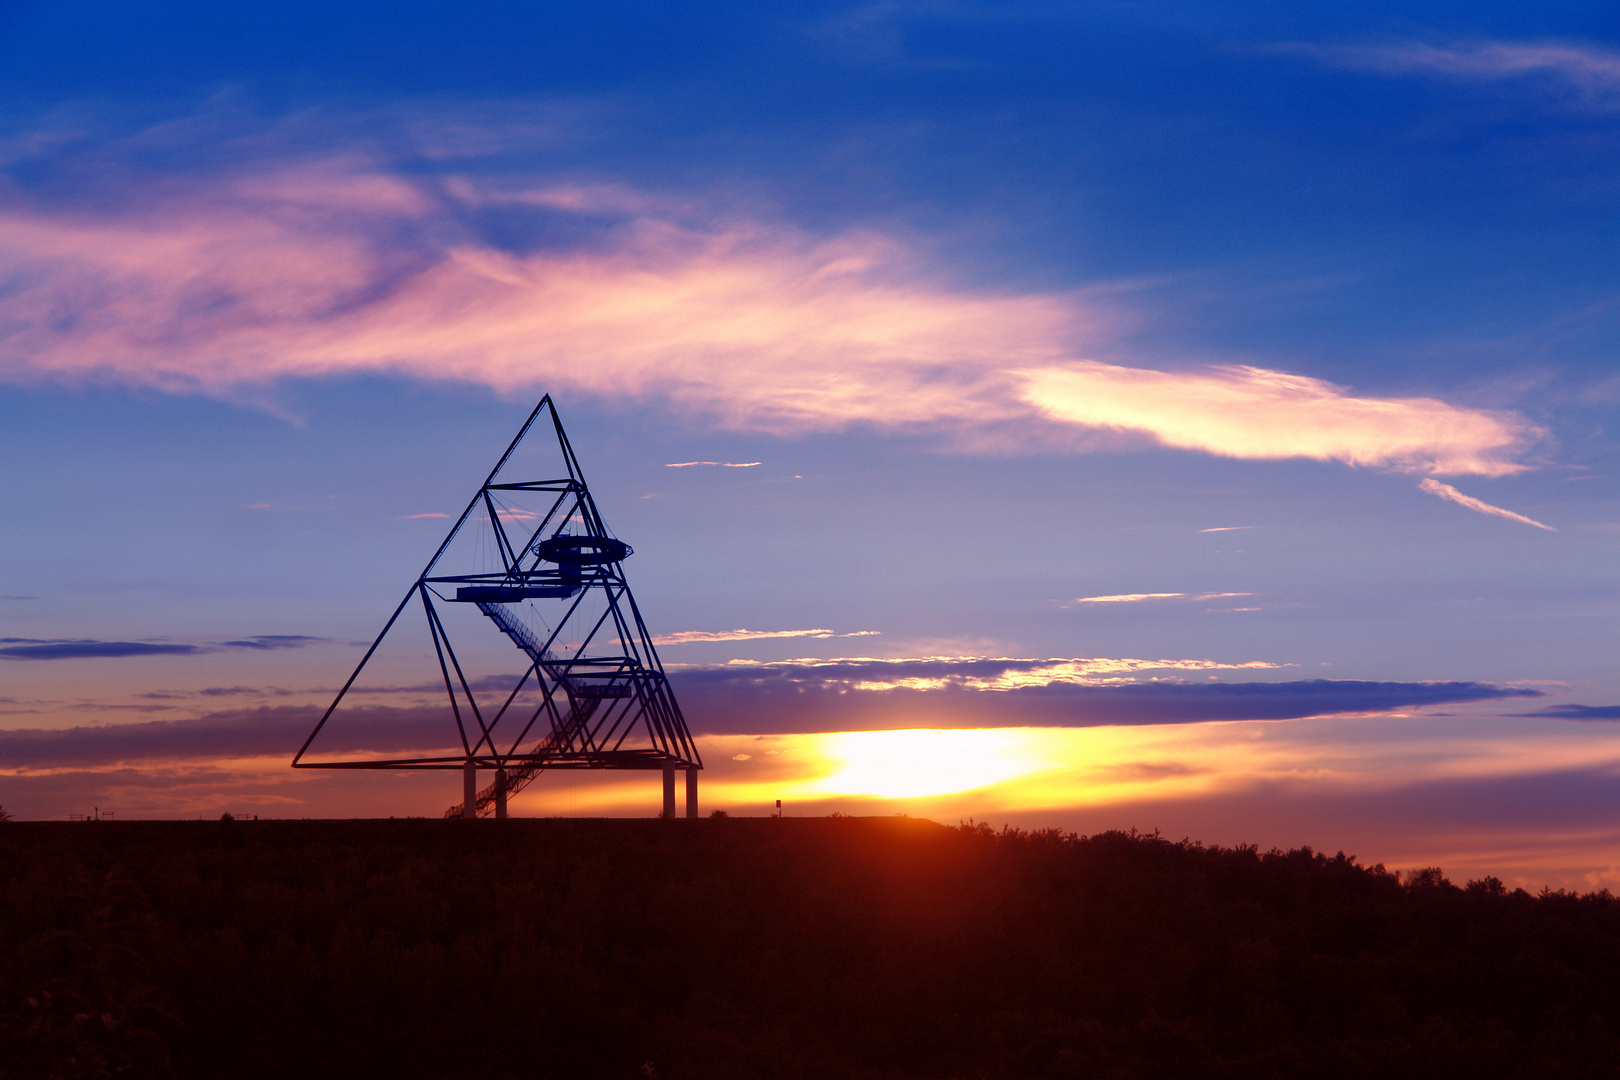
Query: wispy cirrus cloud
[
  {"x": 1129, "y": 598},
  {"x": 320, "y": 267},
  {"x": 721, "y": 464},
  {"x": 1587, "y": 72},
  {"x": 985, "y": 673},
  {"x": 687, "y": 636},
  {"x": 1451, "y": 494},
  {"x": 1137, "y": 598}
]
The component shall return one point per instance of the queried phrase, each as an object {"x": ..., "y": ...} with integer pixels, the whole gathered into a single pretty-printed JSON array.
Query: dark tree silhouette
[{"x": 781, "y": 948}]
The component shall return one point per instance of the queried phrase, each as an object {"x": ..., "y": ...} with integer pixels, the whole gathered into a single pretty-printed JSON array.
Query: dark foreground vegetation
[{"x": 772, "y": 948}]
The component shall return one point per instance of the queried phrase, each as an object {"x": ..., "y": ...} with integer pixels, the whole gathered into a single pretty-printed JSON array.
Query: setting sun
[{"x": 921, "y": 762}]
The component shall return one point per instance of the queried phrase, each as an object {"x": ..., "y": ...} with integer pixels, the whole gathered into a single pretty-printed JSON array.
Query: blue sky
[{"x": 1292, "y": 326}]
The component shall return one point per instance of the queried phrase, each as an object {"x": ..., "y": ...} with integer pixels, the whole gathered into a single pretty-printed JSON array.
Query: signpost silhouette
[{"x": 532, "y": 563}]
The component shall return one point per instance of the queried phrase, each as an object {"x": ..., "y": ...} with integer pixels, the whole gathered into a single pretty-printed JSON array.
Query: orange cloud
[{"x": 757, "y": 326}]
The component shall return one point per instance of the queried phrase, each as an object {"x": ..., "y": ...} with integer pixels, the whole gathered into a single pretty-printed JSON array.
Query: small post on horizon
[
  {"x": 669, "y": 791},
  {"x": 691, "y": 793},
  {"x": 500, "y": 794},
  {"x": 469, "y": 787}
]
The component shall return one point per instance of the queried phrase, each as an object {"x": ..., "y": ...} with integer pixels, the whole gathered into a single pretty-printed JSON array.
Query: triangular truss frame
[{"x": 605, "y": 710}]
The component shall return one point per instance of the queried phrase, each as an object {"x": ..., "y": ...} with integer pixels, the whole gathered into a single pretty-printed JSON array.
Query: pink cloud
[
  {"x": 756, "y": 326},
  {"x": 1451, "y": 494},
  {"x": 1248, "y": 412}
]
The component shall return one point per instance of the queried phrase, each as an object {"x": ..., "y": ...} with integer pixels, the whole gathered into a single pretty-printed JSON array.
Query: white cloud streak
[
  {"x": 300, "y": 272},
  {"x": 721, "y": 464},
  {"x": 1090, "y": 671},
  {"x": 684, "y": 637},
  {"x": 1591, "y": 73},
  {"x": 1136, "y": 598},
  {"x": 1446, "y": 491},
  {"x": 1129, "y": 598}
]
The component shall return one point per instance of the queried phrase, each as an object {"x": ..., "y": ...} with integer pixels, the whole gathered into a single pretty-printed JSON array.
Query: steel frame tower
[{"x": 594, "y": 695}]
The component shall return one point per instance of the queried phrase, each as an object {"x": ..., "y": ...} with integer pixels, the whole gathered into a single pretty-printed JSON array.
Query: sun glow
[
  {"x": 949, "y": 773},
  {"x": 921, "y": 762}
]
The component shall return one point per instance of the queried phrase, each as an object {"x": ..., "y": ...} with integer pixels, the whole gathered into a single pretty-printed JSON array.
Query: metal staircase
[
  {"x": 520, "y": 634},
  {"x": 574, "y": 728}
]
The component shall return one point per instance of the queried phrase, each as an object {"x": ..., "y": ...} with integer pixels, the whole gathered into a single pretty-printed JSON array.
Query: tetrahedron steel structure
[{"x": 530, "y": 566}]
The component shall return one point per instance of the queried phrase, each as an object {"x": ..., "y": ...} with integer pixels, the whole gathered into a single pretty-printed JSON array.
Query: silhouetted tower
[{"x": 533, "y": 562}]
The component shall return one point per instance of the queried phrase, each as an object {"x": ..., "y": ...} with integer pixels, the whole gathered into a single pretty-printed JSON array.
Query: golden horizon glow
[{"x": 1194, "y": 779}]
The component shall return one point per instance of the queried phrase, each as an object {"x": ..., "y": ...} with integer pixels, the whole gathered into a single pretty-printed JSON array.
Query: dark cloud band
[
  {"x": 821, "y": 697},
  {"x": 85, "y": 648},
  {"x": 761, "y": 699},
  {"x": 235, "y": 733},
  {"x": 272, "y": 641},
  {"x": 80, "y": 650},
  {"x": 1577, "y": 712}
]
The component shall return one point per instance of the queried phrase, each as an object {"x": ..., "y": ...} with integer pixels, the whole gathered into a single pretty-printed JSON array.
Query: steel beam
[
  {"x": 691, "y": 793},
  {"x": 669, "y": 791},
  {"x": 469, "y": 787}
]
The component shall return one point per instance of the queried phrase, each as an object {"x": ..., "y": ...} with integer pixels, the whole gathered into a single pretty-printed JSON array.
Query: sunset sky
[{"x": 1178, "y": 416}]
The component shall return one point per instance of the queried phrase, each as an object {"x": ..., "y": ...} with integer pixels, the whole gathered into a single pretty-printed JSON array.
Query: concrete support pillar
[
  {"x": 669, "y": 791},
  {"x": 500, "y": 794},
  {"x": 691, "y": 793},
  {"x": 469, "y": 787}
]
